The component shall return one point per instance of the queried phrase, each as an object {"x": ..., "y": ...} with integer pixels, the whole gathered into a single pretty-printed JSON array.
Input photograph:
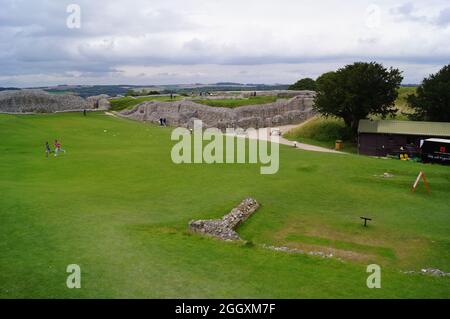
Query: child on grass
[
  {"x": 58, "y": 148},
  {"x": 47, "y": 149}
]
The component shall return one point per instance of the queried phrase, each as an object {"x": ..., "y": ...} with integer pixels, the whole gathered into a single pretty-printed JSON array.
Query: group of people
[
  {"x": 409, "y": 151},
  {"x": 162, "y": 121},
  {"x": 56, "y": 151}
]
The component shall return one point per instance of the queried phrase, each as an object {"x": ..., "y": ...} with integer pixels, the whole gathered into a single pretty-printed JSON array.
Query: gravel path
[{"x": 265, "y": 134}]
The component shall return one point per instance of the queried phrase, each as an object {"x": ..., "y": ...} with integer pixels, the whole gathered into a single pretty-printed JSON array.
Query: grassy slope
[
  {"x": 403, "y": 93},
  {"x": 322, "y": 132},
  {"x": 130, "y": 102},
  {"x": 325, "y": 131},
  {"x": 232, "y": 103},
  {"x": 118, "y": 207}
]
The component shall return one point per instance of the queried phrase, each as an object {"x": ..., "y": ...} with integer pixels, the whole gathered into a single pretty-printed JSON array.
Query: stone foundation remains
[{"x": 224, "y": 228}]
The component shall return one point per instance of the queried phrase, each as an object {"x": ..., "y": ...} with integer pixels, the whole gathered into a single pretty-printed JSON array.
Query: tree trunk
[
  {"x": 353, "y": 124},
  {"x": 354, "y": 127}
]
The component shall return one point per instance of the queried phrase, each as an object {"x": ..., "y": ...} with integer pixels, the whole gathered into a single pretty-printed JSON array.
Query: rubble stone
[{"x": 224, "y": 228}]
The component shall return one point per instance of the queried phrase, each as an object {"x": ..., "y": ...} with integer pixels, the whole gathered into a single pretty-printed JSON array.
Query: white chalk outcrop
[
  {"x": 182, "y": 113},
  {"x": 39, "y": 101}
]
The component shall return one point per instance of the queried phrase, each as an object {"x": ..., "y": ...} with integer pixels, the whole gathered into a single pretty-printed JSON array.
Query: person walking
[{"x": 47, "y": 149}]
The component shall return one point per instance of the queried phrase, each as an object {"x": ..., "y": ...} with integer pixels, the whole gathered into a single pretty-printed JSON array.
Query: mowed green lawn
[
  {"x": 128, "y": 102},
  {"x": 116, "y": 205},
  {"x": 233, "y": 103}
]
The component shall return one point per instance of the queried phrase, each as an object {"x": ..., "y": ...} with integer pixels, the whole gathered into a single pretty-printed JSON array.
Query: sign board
[{"x": 425, "y": 182}]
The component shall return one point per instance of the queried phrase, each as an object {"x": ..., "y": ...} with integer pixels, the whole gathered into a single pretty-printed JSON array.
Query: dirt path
[
  {"x": 111, "y": 114},
  {"x": 265, "y": 134}
]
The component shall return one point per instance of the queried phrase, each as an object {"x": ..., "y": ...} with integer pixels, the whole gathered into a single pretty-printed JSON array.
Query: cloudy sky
[{"x": 147, "y": 42}]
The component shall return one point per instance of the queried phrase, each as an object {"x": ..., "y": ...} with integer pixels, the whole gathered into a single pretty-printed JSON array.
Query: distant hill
[
  {"x": 229, "y": 83},
  {"x": 86, "y": 91},
  {"x": 114, "y": 90}
]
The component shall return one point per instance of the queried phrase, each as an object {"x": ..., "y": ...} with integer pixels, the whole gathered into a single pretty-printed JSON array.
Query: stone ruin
[
  {"x": 429, "y": 272},
  {"x": 183, "y": 113},
  {"x": 99, "y": 102},
  {"x": 40, "y": 101},
  {"x": 224, "y": 228}
]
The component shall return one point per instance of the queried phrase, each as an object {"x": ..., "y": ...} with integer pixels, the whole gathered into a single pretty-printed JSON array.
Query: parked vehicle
[{"x": 435, "y": 150}]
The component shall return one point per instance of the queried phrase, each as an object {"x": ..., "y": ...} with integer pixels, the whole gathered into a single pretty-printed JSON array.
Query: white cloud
[{"x": 181, "y": 41}]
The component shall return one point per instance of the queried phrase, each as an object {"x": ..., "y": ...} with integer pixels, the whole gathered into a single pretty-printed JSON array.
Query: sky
[{"x": 153, "y": 42}]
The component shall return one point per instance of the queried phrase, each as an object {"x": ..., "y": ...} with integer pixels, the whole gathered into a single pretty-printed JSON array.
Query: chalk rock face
[
  {"x": 181, "y": 113},
  {"x": 100, "y": 102},
  {"x": 39, "y": 101},
  {"x": 225, "y": 228}
]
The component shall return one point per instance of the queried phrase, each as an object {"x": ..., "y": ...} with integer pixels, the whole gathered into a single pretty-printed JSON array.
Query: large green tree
[
  {"x": 356, "y": 91},
  {"x": 432, "y": 100},
  {"x": 304, "y": 84}
]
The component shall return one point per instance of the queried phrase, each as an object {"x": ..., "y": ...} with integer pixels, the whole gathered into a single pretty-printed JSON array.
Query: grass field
[
  {"x": 401, "y": 104},
  {"x": 130, "y": 102},
  {"x": 116, "y": 205},
  {"x": 232, "y": 103}
]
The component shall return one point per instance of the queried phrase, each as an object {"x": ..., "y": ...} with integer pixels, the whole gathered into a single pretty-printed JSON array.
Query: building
[{"x": 382, "y": 138}]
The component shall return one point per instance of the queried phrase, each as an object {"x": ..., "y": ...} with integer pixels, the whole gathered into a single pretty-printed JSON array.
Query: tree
[
  {"x": 130, "y": 93},
  {"x": 304, "y": 84},
  {"x": 432, "y": 100},
  {"x": 357, "y": 91}
]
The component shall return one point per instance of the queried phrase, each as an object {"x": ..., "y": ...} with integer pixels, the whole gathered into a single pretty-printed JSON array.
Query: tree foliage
[
  {"x": 357, "y": 91},
  {"x": 304, "y": 84},
  {"x": 141, "y": 92},
  {"x": 432, "y": 99}
]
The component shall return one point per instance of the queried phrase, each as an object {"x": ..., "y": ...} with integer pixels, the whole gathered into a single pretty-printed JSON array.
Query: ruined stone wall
[
  {"x": 39, "y": 101},
  {"x": 225, "y": 228},
  {"x": 100, "y": 102},
  {"x": 183, "y": 113}
]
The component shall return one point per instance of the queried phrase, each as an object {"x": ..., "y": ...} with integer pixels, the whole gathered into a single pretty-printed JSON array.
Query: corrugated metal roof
[
  {"x": 438, "y": 140},
  {"x": 405, "y": 127}
]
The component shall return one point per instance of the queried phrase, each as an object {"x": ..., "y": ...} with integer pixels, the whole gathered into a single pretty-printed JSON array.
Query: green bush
[
  {"x": 304, "y": 84},
  {"x": 431, "y": 102}
]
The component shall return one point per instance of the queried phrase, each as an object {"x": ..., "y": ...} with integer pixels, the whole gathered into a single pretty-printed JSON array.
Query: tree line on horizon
[{"x": 362, "y": 89}]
